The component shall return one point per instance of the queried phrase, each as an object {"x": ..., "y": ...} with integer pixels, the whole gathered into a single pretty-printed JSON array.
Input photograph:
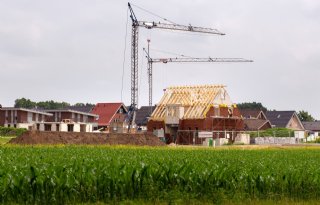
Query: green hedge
[
  {"x": 274, "y": 132},
  {"x": 10, "y": 131}
]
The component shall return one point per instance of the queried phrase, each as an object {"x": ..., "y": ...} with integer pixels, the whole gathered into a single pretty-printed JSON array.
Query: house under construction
[{"x": 185, "y": 111}]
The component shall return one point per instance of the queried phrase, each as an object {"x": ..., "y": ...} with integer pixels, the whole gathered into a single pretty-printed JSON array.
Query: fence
[
  {"x": 198, "y": 137},
  {"x": 275, "y": 140}
]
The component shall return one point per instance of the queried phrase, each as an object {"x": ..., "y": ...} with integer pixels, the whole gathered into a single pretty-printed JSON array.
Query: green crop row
[{"x": 70, "y": 175}]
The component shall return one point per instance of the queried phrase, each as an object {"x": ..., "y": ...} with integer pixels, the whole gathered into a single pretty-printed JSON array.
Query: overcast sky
[{"x": 73, "y": 50}]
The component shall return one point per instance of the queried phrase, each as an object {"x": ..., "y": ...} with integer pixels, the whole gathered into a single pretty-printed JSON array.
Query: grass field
[
  {"x": 5, "y": 140},
  {"x": 134, "y": 175}
]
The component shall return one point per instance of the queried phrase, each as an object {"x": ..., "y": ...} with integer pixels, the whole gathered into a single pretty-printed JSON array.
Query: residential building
[
  {"x": 59, "y": 115},
  {"x": 252, "y": 114},
  {"x": 112, "y": 116},
  {"x": 71, "y": 121},
  {"x": 62, "y": 120},
  {"x": 22, "y": 118},
  {"x": 256, "y": 124},
  {"x": 312, "y": 129},
  {"x": 142, "y": 116},
  {"x": 285, "y": 119},
  {"x": 185, "y": 111},
  {"x": 254, "y": 119},
  {"x": 312, "y": 126}
]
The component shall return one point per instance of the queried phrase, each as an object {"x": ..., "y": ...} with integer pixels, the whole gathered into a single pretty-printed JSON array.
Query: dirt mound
[{"x": 36, "y": 137}]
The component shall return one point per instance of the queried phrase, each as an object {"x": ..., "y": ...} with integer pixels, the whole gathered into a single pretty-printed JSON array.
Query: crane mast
[
  {"x": 134, "y": 53},
  {"x": 149, "y": 75}
]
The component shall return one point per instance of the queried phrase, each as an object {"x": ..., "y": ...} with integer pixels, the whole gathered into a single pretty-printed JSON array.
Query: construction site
[{"x": 186, "y": 114}]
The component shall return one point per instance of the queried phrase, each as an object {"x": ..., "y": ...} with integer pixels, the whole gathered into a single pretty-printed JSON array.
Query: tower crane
[
  {"x": 183, "y": 60},
  {"x": 134, "y": 52}
]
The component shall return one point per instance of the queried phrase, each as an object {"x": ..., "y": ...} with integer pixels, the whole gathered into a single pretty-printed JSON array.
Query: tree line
[{"x": 50, "y": 104}]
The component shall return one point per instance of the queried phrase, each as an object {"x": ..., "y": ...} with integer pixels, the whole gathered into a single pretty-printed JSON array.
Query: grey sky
[{"x": 73, "y": 50}]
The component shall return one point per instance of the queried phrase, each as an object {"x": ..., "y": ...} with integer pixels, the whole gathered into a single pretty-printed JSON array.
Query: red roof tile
[{"x": 106, "y": 112}]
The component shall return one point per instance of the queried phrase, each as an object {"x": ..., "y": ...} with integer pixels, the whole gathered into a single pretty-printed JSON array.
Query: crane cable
[
  {"x": 124, "y": 54},
  {"x": 149, "y": 12},
  {"x": 171, "y": 53}
]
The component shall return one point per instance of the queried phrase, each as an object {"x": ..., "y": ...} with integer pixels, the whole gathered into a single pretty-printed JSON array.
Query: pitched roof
[
  {"x": 143, "y": 113},
  {"x": 255, "y": 124},
  {"x": 106, "y": 112},
  {"x": 280, "y": 118},
  {"x": 250, "y": 113},
  {"x": 196, "y": 100},
  {"x": 312, "y": 126}
]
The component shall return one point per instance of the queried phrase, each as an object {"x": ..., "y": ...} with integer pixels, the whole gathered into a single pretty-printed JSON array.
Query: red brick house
[
  {"x": 186, "y": 110},
  {"x": 112, "y": 116}
]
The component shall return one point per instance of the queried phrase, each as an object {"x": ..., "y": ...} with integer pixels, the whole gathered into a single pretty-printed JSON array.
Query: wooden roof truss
[{"x": 196, "y": 100}]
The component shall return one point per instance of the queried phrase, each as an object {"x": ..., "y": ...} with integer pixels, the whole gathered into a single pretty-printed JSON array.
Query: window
[
  {"x": 217, "y": 111},
  {"x": 230, "y": 112}
]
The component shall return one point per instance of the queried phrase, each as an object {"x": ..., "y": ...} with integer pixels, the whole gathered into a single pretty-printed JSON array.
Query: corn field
[{"x": 69, "y": 174}]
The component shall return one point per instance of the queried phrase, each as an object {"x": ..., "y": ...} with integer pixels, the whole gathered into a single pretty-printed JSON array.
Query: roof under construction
[{"x": 194, "y": 100}]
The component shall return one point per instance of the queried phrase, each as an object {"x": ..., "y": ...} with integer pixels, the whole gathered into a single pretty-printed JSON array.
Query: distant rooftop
[
  {"x": 312, "y": 126},
  {"x": 280, "y": 118},
  {"x": 27, "y": 110}
]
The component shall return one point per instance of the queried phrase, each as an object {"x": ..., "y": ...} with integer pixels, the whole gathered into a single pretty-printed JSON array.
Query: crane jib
[{"x": 159, "y": 25}]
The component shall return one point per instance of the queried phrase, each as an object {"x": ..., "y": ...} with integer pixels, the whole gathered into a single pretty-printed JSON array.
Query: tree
[
  {"x": 305, "y": 116},
  {"x": 84, "y": 105},
  {"x": 251, "y": 105},
  {"x": 24, "y": 103},
  {"x": 47, "y": 105}
]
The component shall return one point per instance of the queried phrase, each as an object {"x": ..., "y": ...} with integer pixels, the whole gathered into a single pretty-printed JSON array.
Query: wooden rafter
[{"x": 196, "y": 100}]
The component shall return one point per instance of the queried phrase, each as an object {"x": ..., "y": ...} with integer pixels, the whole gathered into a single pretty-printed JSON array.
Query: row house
[
  {"x": 63, "y": 120},
  {"x": 22, "y": 118}
]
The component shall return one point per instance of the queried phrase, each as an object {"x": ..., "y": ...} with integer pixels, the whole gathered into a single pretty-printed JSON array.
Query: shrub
[
  {"x": 274, "y": 132},
  {"x": 10, "y": 131}
]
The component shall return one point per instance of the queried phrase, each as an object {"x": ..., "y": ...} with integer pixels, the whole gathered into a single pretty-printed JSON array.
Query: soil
[{"x": 36, "y": 137}]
